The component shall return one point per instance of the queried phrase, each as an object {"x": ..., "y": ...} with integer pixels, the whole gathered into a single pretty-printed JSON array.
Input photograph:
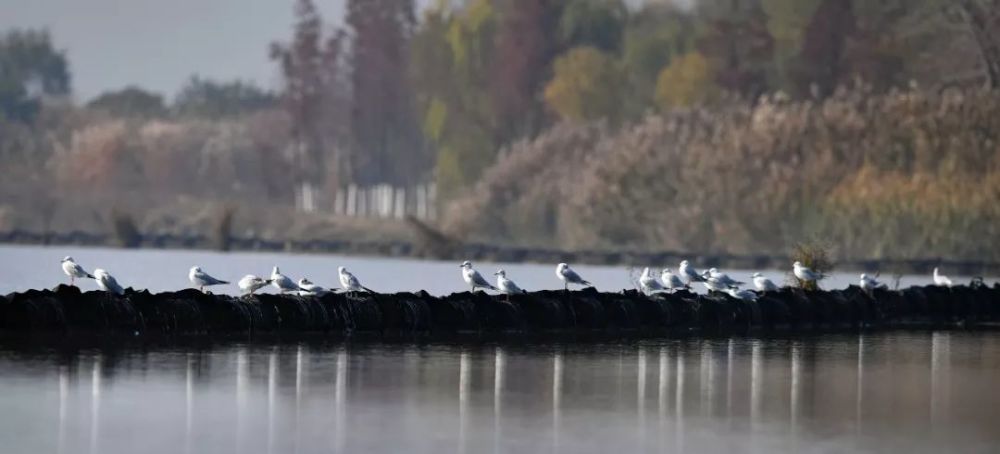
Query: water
[
  {"x": 919, "y": 392},
  {"x": 27, "y": 267}
]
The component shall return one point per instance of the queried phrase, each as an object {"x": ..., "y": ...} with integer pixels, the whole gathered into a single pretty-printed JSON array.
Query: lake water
[
  {"x": 27, "y": 267},
  {"x": 918, "y": 392},
  {"x": 913, "y": 391}
]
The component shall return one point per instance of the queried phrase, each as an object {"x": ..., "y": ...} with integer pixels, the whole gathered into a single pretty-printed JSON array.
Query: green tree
[
  {"x": 656, "y": 35},
  {"x": 787, "y": 21},
  {"x": 30, "y": 68},
  {"x": 129, "y": 102},
  {"x": 596, "y": 23},
  {"x": 688, "y": 80},
  {"x": 207, "y": 98},
  {"x": 586, "y": 85}
]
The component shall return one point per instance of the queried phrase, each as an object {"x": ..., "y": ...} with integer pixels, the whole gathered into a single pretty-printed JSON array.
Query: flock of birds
[{"x": 668, "y": 281}]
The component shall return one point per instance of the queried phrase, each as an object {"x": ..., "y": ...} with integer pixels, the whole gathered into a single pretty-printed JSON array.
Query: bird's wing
[
  {"x": 572, "y": 276},
  {"x": 353, "y": 281}
]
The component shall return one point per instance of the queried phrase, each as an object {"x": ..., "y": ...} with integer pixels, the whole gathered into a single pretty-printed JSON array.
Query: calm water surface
[{"x": 917, "y": 392}]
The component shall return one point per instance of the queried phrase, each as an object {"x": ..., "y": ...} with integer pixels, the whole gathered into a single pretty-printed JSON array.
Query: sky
[{"x": 159, "y": 44}]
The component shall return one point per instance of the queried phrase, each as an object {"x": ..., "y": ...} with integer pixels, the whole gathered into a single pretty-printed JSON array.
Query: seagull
[
  {"x": 940, "y": 279},
  {"x": 648, "y": 283},
  {"x": 310, "y": 289},
  {"x": 805, "y": 274},
  {"x": 251, "y": 283},
  {"x": 870, "y": 283},
  {"x": 507, "y": 286},
  {"x": 569, "y": 276},
  {"x": 670, "y": 280},
  {"x": 688, "y": 273},
  {"x": 349, "y": 282},
  {"x": 745, "y": 295},
  {"x": 107, "y": 282},
  {"x": 763, "y": 284},
  {"x": 202, "y": 279},
  {"x": 473, "y": 278},
  {"x": 73, "y": 270},
  {"x": 715, "y": 285},
  {"x": 724, "y": 279},
  {"x": 282, "y": 282}
]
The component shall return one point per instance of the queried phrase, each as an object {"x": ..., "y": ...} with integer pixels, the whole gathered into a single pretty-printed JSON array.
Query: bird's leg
[{"x": 72, "y": 281}]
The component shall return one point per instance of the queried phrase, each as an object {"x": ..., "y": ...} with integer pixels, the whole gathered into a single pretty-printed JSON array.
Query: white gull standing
[
  {"x": 74, "y": 270},
  {"x": 105, "y": 281},
  {"x": 201, "y": 279},
  {"x": 507, "y": 286},
  {"x": 723, "y": 278},
  {"x": 283, "y": 283},
  {"x": 940, "y": 279},
  {"x": 473, "y": 278},
  {"x": 745, "y": 295},
  {"x": 805, "y": 274},
  {"x": 670, "y": 280},
  {"x": 688, "y": 273},
  {"x": 349, "y": 282},
  {"x": 250, "y": 283},
  {"x": 568, "y": 276},
  {"x": 868, "y": 283},
  {"x": 763, "y": 284},
  {"x": 648, "y": 283}
]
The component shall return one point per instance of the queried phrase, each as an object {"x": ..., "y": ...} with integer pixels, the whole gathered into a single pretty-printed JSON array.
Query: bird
[
  {"x": 714, "y": 284},
  {"x": 763, "y": 284},
  {"x": 201, "y": 279},
  {"x": 281, "y": 282},
  {"x": 648, "y": 283},
  {"x": 805, "y": 274},
  {"x": 74, "y": 270},
  {"x": 507, "y": 286},
  {"x": 350, "y": 283},
  {"x": 724, "y": 279},
  {"x": 745, "y": 295},
  {"x": 105, "y": 281},
  {"x": 670, "y": 280},
  {"x": 307, "y": 288},
  {"x": 940, "y": 279},
  {"x": 568, "y": 276},
  {"x": 869, "y": 283},
  {"x": 688, "y": 273},
  {"x": 250, "y": 283},
  {"x": 473, "y": 278}
]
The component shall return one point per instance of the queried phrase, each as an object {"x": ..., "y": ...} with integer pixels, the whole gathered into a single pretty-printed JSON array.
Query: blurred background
[{"x": 698, "y": 126}]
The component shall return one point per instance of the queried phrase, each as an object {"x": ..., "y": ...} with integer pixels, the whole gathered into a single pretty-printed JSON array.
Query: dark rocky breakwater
[{"x": 67, "y": 311}]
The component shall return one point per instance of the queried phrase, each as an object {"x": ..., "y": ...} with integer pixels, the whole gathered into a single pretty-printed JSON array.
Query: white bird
[
  {"x": 105, "y": 281},
  {"x": 714, "y": 285},
  {"x": 73, "y": 270},
  {"x": 507, "y": 286},
  {"x": 473, "y": 278},
  {"x": 724, "y": 279},
  {"x": 670, "y": 280},
  {"x": 745, "y": 295},
  {"x": 568, "y": 276},
  {"x": 201, "y": 279},
  {"x": 250, "y": 283},
  {"x": 940, "y": 279},
  {"x": 281, "y": 282},
  {"x": 688, "y": 273},
  {"x": 763, "y": 284},
  {"x": 805, "y": 274},
  {"x": 869, "y": 283},
  {"x": 307, "y": 288},
  {"x": 648, "y": 283},
  {"x": 350, "y": 283}
]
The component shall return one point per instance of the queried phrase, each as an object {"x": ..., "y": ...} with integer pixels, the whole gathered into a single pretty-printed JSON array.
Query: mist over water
[{"x": 917, "y": 392}]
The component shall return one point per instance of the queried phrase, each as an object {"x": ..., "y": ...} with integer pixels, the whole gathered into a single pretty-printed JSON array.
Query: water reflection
[{"x": 874, "y": 392}]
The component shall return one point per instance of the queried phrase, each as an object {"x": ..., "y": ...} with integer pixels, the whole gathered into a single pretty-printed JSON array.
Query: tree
[
  {"x": 787, "y": 21},
  {"x": 738, "y": 44},
  {"x": 586, "y": 85},
  {"x": 30, "y": 69},
  {"x": 596, "y": 23},
  {"x": 821, "y": 63},
  {"x": 315, "y": 97},
  {"x": 687, "y": 81},
  {"x": 207, "y": 98},
  {"x": 655, "y": 36},
  {"x": 390, "y": 147},
  {"x": 129, "y": 102},
  {"x": 983, "y": 17}
]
